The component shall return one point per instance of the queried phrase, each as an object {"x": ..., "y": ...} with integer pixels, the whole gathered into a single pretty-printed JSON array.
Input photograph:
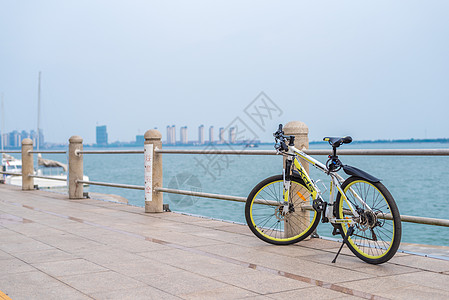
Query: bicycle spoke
[
  {"x": 374, "y": 240},
  {"x": 273, "y": 222}
]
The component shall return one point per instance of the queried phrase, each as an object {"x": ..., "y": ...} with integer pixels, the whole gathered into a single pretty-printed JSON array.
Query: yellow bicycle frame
[{"x": 313, "y": 189}]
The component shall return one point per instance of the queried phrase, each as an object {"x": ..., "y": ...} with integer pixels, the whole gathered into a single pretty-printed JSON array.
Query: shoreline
[{"x": 56, "y": 146}]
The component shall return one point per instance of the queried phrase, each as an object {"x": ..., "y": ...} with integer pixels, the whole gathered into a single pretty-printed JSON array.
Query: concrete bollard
[
  {"x": 153, "y": 171},
  {"x": 301, "y": 133},
  {"x": 27, "y": 165},
  {"x": 75, "y": 167}
]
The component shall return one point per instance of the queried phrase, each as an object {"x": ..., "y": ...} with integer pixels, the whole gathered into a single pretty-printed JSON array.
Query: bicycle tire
[
  {"x": 377, "y": 235},
  {"x": 266, "y": 220}
]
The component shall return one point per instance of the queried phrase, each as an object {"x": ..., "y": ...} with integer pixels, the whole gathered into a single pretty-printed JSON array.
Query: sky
[{"x": 369, "y": 69}]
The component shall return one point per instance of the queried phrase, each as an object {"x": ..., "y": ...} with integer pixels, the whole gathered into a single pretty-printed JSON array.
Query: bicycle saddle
[{"x": 336, "y": 142}]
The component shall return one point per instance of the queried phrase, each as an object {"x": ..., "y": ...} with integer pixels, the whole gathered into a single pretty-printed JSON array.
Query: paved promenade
[{"x": 55, "y": 248}]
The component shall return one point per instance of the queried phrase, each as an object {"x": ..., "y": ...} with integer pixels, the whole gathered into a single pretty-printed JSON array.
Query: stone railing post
[
  {"x": 153, "y": 171},
  {"x": 75, "y": 167},
  {"x": 301, "y": 133},
  {"x": 27, "y": 165}
]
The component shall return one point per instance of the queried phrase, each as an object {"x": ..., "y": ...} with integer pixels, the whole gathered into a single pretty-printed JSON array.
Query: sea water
[{"x": 419, "y": 184}]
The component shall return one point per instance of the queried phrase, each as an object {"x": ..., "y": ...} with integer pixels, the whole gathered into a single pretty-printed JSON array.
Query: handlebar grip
[
  {"x": 280, "y": 128},
  {"x": 284, "y": 146}
]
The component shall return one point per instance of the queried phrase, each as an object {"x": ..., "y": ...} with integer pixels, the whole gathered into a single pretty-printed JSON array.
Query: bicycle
[{"x": 285, "y": 209}]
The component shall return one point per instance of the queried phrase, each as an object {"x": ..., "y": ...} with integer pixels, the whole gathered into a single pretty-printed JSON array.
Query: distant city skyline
[
  {"x": 170, "y": 136},
  {"x": 14, "y": 138}
]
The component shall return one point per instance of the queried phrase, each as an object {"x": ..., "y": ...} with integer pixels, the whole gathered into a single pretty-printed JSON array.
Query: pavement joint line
[
  {"x": 155, "y": 240},
  {"x": 3, "y": 296},
  {"x": 319, "y": 283},
  {"x": 137, "y": 213},
  {"x": 37, "y": 269},
  {"x": 399, "y": 250}
]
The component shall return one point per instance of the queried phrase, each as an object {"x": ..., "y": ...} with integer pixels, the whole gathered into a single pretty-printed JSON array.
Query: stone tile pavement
[{"x": 55, "y": 248}]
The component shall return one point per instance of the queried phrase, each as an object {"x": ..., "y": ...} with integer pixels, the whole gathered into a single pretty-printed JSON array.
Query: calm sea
[{"x": 419, "y": 185}]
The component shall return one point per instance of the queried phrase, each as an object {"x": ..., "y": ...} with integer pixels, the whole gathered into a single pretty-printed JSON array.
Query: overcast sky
[{"x": 370, "y": 69}]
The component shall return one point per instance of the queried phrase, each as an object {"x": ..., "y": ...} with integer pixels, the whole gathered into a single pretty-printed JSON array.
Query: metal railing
[
  {"x": 49, "y": 151},
  {"x": 381, "y": 152},
  {"x": 364, "y": 152},
  {"x": 11, "y": 173},
  {"x": 404, "y": 218},
  {"x": 78, "y": 152},
  {"x": 116, "y": 185},
  {"x": 109, "y": 184},
  {"x": 48, "y": 177},
  {"x": 36, "y": 152}
]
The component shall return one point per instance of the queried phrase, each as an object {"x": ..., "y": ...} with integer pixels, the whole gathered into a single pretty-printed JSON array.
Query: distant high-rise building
[
  {"x": 232, "y": 135},
  {"x": 221, "y": 135},
  {"x": 211, "y": 134},
  {"x": 14, "y": 139},
  {"x": 168, "y": 134},
  {"x": 102, "y": 135},
  {"x": 5, "y": 140},
  {"x": 140, "y": 139},
  {"x": 24, "y": 135},
  {"x": 201, "y": 135},
  {"x": 184, "y": 135},
  {"x": 173, "y": 135},
  {"x": 41, "y": 138},
  {"x": 33, "y": 137}
]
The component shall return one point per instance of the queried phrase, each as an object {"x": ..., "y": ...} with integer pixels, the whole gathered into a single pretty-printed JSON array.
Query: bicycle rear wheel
[
  {"x": 377, "y": 233},
  {"x": 266, "y": 219}
]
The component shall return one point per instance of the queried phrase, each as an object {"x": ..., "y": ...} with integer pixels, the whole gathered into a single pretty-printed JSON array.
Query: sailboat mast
[{"x": 38, "y": 110}]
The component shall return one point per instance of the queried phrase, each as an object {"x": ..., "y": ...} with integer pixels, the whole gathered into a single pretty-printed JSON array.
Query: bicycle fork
[{"x": 287, "y": 184}]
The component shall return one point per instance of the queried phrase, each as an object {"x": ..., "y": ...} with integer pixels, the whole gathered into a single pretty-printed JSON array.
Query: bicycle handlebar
[{"x": 279, "y": 136}]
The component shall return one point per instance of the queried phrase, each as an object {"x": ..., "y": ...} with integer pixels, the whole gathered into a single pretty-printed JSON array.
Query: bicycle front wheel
[
  {"x": 377, "y": 232},
  {"x": 265, "y": 215}
]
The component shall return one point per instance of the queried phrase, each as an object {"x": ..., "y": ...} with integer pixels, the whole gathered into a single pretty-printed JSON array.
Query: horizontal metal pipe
[
  {"x": 11, "y": 173},
  {"x": 214, "y": 196},
  {"x": 117, "y": 185},
  {"x": 11, "y": 151},
  {"x": 109, "y": 152},
  {"x": 419, "y": 220},
  {"x": 200, "y": 194},
  {"x": 390, "y": 152},
  {"x": 230, "y": 152},
  {"x": 404, "y": 218},
  {"x": 411, "y": 219},
  {"x": 48, "y": 177},
  {"x": 424, "y": 220},
  {"x": 396, "y": 152},
  {"x": 50, "y": 151}
]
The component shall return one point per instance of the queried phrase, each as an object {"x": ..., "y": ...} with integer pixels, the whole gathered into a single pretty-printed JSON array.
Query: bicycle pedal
[
  {"x": 336, "y": 231},
  {"x": 318, "y": 205}
]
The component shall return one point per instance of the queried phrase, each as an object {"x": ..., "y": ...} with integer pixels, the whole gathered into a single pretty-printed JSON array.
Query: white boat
[
  {"x": 10, "y": 164},
  {"x": 46, "y": 167}
]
